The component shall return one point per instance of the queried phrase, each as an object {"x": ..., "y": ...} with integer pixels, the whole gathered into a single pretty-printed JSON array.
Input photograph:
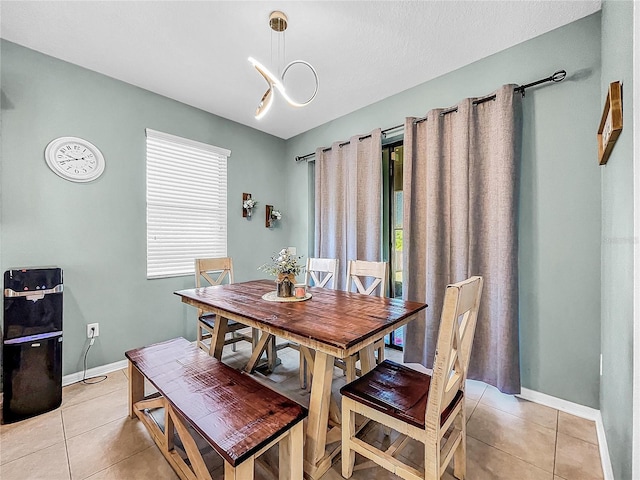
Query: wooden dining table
[{"x": 332, "y": 323}]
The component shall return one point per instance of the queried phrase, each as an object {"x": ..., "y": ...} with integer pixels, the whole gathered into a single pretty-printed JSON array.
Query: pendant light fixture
[{"x": 278, "y": 23}]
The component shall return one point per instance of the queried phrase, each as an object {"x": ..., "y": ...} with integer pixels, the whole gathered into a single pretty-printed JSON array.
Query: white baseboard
[
  {"x": 579, "y": 411},
  {"x": 560, "y": 404},
  {"x": 94, "y": 372}
]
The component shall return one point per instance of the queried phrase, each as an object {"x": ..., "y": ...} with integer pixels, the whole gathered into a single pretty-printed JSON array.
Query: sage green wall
[
  {"x": 559, "y": 199},
  {"x": 616, "y": 389},
  {"x": 96, "y": 232}
]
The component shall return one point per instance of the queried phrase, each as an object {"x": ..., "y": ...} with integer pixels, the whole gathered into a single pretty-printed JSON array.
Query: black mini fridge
[{"x": 32, "y": 342}]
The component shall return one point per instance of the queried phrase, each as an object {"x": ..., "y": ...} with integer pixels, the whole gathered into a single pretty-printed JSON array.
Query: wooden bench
[{"x": 239, "y": 417}]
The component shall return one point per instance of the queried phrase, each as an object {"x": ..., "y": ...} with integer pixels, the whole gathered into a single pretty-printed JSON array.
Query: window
[{"x": 186, "y": 203}]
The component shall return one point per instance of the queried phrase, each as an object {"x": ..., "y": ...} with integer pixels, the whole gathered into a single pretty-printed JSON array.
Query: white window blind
[{"x": 186, "y": 203}]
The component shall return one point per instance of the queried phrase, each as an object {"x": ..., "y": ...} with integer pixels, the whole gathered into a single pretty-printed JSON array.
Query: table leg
[
  {"x": 136, "y": 388},
  {"x": 217, "y": 337},
  {"x": 272, "y": 356},
  {"x": 319, "y": 405},
  {"x": 257, "y": 352},
  {"x": 367, "y": 359}
]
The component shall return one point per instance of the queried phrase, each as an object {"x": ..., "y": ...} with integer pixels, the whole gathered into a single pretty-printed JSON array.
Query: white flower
[
  {"x": 283, "y": 263},
  {"x": 275, "y": 214},
  {"x": 249, "y": 203}
]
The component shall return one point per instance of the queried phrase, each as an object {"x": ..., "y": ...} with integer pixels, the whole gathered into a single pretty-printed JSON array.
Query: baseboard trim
[
  {"x": 560, "y": 404},
  {"x": 579, "y": 411},
  {"x": 94, "y": 372}
]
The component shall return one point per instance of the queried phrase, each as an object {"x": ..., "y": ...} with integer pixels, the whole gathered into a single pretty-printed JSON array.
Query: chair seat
[
  {"x": 397, "y": 391},
  {"x": 209, "y": 320}
]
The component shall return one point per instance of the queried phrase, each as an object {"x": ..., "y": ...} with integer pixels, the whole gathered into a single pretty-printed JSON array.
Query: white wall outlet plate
[{"x": 96, "y": 330}]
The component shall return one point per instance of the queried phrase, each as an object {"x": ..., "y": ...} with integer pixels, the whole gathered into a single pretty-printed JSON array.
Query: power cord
[{"x": 99, "y": 378}]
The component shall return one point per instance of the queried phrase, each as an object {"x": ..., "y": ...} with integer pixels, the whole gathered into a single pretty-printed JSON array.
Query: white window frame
[{"x": 186, "y": 203}]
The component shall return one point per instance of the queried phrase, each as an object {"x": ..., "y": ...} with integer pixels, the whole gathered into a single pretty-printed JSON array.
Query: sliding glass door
[{"x": 392, "y": 161}]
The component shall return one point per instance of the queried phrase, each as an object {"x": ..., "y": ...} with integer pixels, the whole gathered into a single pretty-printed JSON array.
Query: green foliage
[{"x": 282, "y": 263}]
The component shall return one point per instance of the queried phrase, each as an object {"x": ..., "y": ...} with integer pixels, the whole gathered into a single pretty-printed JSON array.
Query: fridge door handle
[{"x": 33, "y": 294}]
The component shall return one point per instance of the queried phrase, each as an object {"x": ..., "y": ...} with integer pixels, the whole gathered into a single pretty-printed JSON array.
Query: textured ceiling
[{"x": 196, "y": 51}]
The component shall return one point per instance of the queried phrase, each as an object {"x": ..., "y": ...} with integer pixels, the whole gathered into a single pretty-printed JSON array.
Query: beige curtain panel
[
  {"x": 460, "y": 216},
  {"x": 348, "y": 219}
]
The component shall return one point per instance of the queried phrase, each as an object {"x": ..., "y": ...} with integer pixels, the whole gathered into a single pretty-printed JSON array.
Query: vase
[
  {"x": 284, "y": 286},
  {"x": 248, "y": 211}
]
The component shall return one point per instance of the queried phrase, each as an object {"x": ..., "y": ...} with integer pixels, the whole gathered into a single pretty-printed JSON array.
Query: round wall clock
[{"x": 74, "y": 159}]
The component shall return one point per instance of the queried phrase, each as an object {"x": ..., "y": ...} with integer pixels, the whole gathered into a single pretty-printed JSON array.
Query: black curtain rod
[{"x": 556, "y": 77}]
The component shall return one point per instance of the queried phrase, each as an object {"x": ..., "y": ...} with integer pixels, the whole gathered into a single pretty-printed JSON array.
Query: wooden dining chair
[
  {"x": 427, "y": 408},
  {"x": 368, "y": 278},
  {"x": 322, "y": 272},
  {"x": 215, "y": 271}
]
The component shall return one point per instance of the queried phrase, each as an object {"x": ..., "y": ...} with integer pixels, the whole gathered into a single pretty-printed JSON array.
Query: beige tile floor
[{"x": 91, "y": 437}]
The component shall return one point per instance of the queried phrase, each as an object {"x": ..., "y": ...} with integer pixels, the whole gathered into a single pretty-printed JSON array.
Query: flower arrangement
[
  {"x": 249, "y": 203},
  {"x": 283, "y": 264},
  {"x": 276, "y": 214}
]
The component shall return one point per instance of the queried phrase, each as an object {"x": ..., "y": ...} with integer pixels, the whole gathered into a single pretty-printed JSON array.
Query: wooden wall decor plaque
[
  {"x": 267, "y": 218},
  {"x": 245, "y": 196},
  {"x": 611, "y": 122}
]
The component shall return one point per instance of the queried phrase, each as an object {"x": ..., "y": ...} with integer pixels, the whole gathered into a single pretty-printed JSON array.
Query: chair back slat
[
  {"x": 467, "y": 300},
  {"x": 455, "y": 339},
  {"x": 375, "y": 272},
  {"x": 321, "y": 271},
  {"x": 213, "y": 270}
]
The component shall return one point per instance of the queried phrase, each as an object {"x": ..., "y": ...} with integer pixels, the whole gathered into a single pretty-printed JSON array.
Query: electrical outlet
[
  {"x": 292, "y": 250},
  {"x": 96, "y": 330}
]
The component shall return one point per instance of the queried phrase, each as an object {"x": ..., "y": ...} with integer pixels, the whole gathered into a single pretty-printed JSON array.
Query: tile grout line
[
  {"x": 108, "y": 466},
  {"x": 515, "y": 415},
  {"x": 510, "y": 455},
  {"x": 120, "y": 461},
  {"x": 66, "y": 448},
  {"x": 518, "y": 417},
  {"x": 38, "y": 450},
  {"x": 555, "y": 447}
]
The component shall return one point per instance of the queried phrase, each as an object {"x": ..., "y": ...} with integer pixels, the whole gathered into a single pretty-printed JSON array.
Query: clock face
[{"x": 74, "y": 159}]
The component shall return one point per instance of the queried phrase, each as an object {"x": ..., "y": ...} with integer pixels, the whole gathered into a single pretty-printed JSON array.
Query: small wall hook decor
[
  {"x": 272, "y": 215},
  {"x": 267, "y": 217},
  {"x": 248, "y": 204}
]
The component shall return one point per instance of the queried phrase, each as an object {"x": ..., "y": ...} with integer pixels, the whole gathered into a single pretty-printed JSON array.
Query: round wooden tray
[{"x": 273, "y": 297}]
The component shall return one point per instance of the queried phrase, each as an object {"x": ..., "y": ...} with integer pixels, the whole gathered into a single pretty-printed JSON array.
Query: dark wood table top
[
  {"x": 235, "y": 414},
  {"x": 337, "y": 322}
]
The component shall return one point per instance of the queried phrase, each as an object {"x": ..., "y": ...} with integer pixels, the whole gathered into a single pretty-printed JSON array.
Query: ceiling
[{"x": 196, "y": 51}]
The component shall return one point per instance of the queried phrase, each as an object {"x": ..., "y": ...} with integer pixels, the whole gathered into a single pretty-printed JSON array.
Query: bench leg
[
  {"x": 190, "y": 447},
  {"x": 244, "y": 471},
  {"x": 136, "y": 388},
  {"x": 290, "y": 454}
]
